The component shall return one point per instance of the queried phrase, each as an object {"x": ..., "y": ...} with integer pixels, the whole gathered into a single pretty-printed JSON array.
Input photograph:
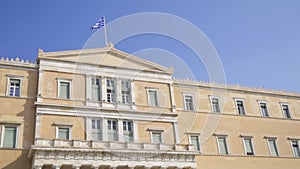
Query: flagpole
[{"x": 105, "y": 34}]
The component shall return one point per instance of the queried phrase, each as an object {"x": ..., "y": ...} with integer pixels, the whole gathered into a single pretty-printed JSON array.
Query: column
[
  {"x": 172, "y": 97},
  {"x": 104, "y": 130},
  {"x": 76, "y": 166},
  {"x": 135, "y": 132},
  {"x": 37, "y": 125},
  {"x": 176, "y": 132},
  {"x": 118, "y": 90},
  {"x": 37, "y": 167},
  {"x": 95, "y": 167},
  {"x": 120, "y": 130},
  {"x": 40, "y": 86},
  {"x": 88, "y": 88},
  {"x": 88, "y": 128},
  {"x": 103, "y": 89},
  {"x": 132, "y": 94},
  {"x": 56, "y": 166}
]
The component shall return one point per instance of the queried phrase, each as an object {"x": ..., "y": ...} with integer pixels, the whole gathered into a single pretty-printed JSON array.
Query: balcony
[{"x": 99, "y": 153}]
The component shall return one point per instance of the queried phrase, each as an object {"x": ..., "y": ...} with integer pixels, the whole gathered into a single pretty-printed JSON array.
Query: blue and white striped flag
[{"x": 98, "y": 24}]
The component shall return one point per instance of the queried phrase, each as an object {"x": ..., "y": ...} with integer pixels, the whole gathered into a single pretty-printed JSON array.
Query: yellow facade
[{"x": 103, "y": 108}]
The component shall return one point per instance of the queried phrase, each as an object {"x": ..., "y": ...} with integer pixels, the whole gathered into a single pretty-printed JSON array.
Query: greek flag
[{"x": 98, "y": 24}]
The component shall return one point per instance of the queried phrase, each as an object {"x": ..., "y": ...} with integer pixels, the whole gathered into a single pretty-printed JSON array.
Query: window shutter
[
  {"x": 195, "y": 142},
  {"x": 222, "y": 146},
  {"x": 273, "y": 148},
  {"x": 64, "y": 92},
  {"x": 156, "y": 138},
  {"x": 10, "y": 135}
]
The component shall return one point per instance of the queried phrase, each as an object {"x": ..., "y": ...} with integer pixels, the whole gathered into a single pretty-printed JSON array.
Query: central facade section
[{"x": 114, "y": 109}]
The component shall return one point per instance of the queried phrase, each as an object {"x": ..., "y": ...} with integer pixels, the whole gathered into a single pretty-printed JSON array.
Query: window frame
[
  {"x": 113, "y": 95},
  {"x": 267, "y": 108},
  {"x": 218, "y": 137},
  {"x": 17, "y": 126},
  {"x": 59, "y": 90},
  {"x": 111, "y": 131},
  {"x": 291, "y": 143},
  {"x": 60, "y": 125},
  {"x": 268, "y": 139},
  {"x": 157, "y": 98},
  {"x": 127, "y": 92},
  {"x": 219, "y": 104},
  {"x": 99, "y": 130},
  {"x": 8, "y": 79},
  {"x": 192, "y": 108},
  {"x": 130, "y": 133},
  {"x": 190, "y": 135},
  {"x": 157, "y": 131},
  {"x": 283, "y": 112},
  {"x": 236, "y": 100},
  {"x": 251, "y": 145},
  {"x": 100, "y": 88}
]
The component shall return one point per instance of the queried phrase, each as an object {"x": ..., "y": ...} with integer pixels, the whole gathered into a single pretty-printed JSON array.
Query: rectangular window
[
  {"x": 295, "y": 148},
  {"x": 215, "y": 104},
  {"x": 127, "y": 131},
  {"x": 96, "y": 89},
  {"x": 9, "y": 139},
  {"x": 14, "y": 87},
  {"x": 286, "y": 111},
  {"x": 188, "y": 100},
  {"x": 64, "y": 89},
  {"x": 222, "y": 145},
  {"x": 96, "y": 129},
  {"x": 152, "y": 97},
  {"x": 240, "y": 107},
  {"x": 156, "y": 137},
  {"x": 110, "y": 90},
  {"x": 264, "y": 109},
  {"x": 273, "y": 147},
  {"x": 125, "y": 91},
  {"x": 194, "y": 140},
  {"x": 63, "y": 133},
  {"x": 248, "y": 146},
  {"x": 112, "y": 127}
]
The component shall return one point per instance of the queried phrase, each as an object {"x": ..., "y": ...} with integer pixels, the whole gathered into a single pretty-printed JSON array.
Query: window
[
  {"x": 295, "y": 148},
  {"x": 248, "y": 146},
  {"x": 127, "y": 131},
  {"x": 64, "y": 90},
  {"x": 222, "y": 145},
  {"x": 96, "y": 129},
  {"x": 112, "y": 127},
  {"x": 63, "y": 133},
  {"x": 264, "y": 109},
  {"x": 110, "y": 90},
  {"x": 152, "y": 97},
  {"x": 286, "y": 111},
  {"x": 125, "y": 85},
  {"x": 14, "y": 87},
  {"x": 9, "y": 136},
  {"x": 215, "y": 104},
  {"x": 188, "y": 100},
  {"x": 96, "y": 89},
  {"x": 273, "y": 147},
  {"x": 194, "y": 140},
  {"x": 240, "y": 107},
  {"x": 156, "y": 137}
]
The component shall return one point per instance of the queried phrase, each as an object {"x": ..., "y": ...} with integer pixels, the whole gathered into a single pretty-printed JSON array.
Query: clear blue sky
[{"x": 257, "y": 41}]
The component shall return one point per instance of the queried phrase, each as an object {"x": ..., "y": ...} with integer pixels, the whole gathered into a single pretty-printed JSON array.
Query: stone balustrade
[{"x": 105, "y": 145}]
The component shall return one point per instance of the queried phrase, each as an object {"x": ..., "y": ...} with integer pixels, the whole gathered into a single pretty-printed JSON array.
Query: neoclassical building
[{"x": 104, "y": 108}]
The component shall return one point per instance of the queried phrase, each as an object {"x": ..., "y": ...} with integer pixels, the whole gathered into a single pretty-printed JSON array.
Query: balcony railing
[{"x": 105, "y": 145}]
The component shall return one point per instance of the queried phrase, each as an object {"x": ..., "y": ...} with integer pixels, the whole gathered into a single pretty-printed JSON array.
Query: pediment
[{"x": 107, "y": 57}]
